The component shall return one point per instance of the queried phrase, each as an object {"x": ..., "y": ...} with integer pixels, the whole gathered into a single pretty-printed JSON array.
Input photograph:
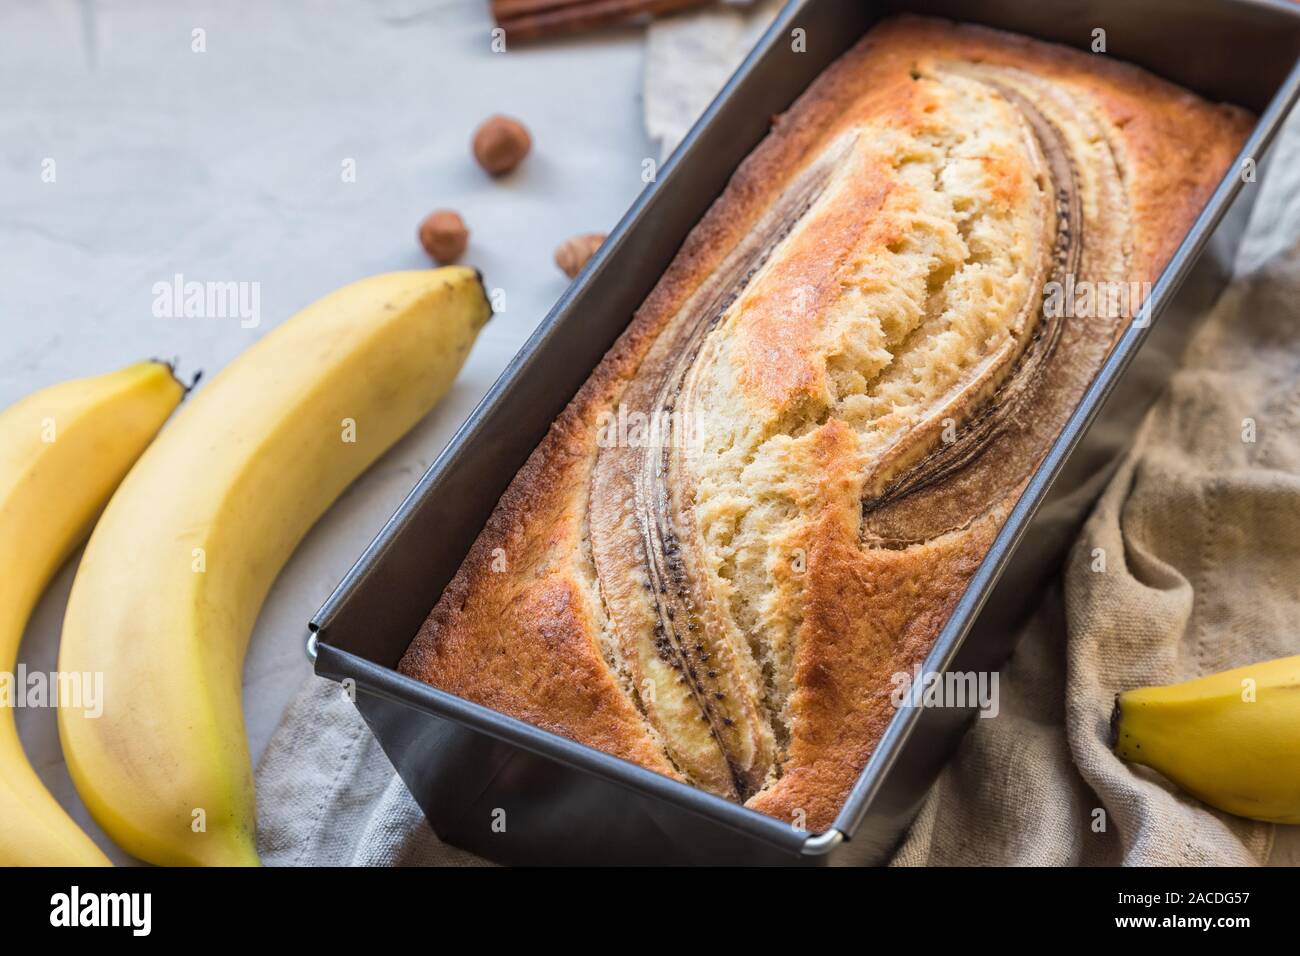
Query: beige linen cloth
[{"x": 1201, "y": 533}]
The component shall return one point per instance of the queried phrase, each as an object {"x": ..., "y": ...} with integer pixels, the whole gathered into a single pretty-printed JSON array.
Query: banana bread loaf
[{"x": 770, "y": 494}]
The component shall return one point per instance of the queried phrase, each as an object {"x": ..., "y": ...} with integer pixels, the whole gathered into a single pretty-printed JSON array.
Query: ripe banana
[
  {"x": 178, "y": 566},
  {"x": 62, "y": 452},
  {"x": 1231, "y": 740}
]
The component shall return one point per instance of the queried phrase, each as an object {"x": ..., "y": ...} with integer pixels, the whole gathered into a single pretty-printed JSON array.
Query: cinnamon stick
[
  {"x": 525, "y": 20},
  {"x": 512, "y": 9}
]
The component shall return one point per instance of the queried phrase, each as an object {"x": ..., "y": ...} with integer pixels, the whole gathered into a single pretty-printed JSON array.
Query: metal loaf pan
[{"x": 567, "y": 803}]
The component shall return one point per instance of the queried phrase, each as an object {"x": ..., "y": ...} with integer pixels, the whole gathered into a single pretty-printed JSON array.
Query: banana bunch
[
  {"x": 184, "y": 554},
  {"x": 63, "y": 451},
  {"x": 178, "y": 566},
  {"x": 1231, "y": 740}
]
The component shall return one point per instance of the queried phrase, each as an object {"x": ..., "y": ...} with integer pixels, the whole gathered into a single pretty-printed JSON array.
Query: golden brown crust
[{"x": 522, "y": 627}]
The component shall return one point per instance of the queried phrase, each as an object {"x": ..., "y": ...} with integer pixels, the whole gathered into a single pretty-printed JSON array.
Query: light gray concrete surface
[{"x": 227, "y": 165}]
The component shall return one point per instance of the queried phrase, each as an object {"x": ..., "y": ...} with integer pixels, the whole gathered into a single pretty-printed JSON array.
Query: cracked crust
[{"x": 731, "y": 614}]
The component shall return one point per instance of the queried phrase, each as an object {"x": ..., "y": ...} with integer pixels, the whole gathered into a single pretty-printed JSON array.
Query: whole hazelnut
[
  {"x": 572, "y": 254},
  {"x": 501, "y": 144},
  {"x": 444, "y": 236}
]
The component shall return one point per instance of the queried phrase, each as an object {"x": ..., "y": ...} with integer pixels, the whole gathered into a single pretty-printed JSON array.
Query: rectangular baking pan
[{"x": 517, "y": 794}]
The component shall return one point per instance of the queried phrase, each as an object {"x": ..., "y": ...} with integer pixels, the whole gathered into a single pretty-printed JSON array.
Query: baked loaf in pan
[{"x": 767, "y": 498}]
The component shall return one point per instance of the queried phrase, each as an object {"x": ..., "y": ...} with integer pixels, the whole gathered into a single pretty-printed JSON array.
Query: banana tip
[
  {"x": 482, "y": 286},
  {"x": 170, "y": 365}
]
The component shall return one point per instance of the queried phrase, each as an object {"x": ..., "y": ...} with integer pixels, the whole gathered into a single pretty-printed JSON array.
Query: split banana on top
[
  {"x": 1231, "y": 740},
  {"x": 63, "y": 451},
  {"x": 178, "y": 566}
]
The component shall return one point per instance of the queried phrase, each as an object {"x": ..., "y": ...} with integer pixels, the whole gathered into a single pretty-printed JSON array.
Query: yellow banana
[
  {"x": 62, "y": 452},
  {"x": 177, "y": 568},
  {"x": 1231, "y": 740}
]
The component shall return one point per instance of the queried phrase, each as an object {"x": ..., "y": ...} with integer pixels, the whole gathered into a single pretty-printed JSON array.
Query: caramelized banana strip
[
  {"x": 999, "y": 445},
  {"x": 704, "y": 698}
]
